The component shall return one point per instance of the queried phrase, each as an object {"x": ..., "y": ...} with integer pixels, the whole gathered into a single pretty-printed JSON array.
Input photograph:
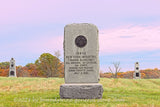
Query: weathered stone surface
[
  {"x": 81, "y": 62},
  {"x": 12, "y": 70},
  {"x": 81, "y": 53},
  {"x": 81, "y": 91}
]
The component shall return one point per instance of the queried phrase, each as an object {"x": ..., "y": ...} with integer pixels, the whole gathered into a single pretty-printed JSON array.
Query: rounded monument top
[{"x": 81, "y": 24}]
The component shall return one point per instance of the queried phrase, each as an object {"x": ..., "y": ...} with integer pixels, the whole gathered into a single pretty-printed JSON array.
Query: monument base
[
  {"x": 137, "y": 78},
  {"x": 81, "y": 91},
  {"x": 12, "y": 76}
]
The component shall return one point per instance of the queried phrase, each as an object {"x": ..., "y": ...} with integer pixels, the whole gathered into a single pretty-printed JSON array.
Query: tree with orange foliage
[
  {"x": 49, "y": 65},
  {"x": 4, "y": 72},
  {"x": 32, "y": 70},
  {"x": 61, "y": 70},
  {"x": 22, "y": 71},
  {"x": 4, "y": 68},
  {"x": 143, "y": 75},
  {"x": 155, "y": 69}
]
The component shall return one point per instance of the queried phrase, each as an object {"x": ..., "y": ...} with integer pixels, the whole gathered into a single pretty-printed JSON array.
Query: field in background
[{"x": 44, "y": 92}]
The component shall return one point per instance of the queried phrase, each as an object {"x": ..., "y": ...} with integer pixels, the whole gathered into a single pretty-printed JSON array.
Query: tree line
[
  {"x": 145, "y": 74},
  {"x": 115, "y": 72},
  {"x": 47, "y": 65}
]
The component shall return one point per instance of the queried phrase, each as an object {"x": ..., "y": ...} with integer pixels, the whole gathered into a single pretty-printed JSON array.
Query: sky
[{"x": 129, "y": 30}]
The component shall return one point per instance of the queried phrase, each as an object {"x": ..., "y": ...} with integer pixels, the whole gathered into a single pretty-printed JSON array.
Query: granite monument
[
  {"x": 12, "y": 69},
  {"x": 81, "y": 62}
]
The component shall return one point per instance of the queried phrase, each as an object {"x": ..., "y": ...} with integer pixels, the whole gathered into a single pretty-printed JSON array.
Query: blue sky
[{"x": 129, "y": 30}]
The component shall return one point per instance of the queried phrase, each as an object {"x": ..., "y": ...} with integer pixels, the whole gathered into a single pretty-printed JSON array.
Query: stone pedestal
[{"x": 81, "y": 91}]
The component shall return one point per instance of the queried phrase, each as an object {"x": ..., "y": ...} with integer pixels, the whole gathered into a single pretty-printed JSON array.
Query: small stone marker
[
  {"x": 12, "y": 70},
  {"x": 81, "y": 61},
  {"x": 137, "y": 74}
]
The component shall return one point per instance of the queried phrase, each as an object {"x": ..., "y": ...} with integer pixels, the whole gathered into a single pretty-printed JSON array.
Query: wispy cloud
[
  {"x": 130, "y": 39},
  {"x": 117, "y": 40}
]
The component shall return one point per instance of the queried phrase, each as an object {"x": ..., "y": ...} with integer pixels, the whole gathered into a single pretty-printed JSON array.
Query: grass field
[{"x": 44, "y": 92}]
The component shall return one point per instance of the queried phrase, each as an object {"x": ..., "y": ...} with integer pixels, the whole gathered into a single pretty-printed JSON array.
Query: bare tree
[
  {"x": 57, "y": 53},
  {"x": 57, "y": 62},
  {"x": 115, "y": 69}
]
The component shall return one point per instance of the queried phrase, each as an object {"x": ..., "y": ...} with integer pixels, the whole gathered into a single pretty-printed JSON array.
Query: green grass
[{"x": 44, "y": 92}]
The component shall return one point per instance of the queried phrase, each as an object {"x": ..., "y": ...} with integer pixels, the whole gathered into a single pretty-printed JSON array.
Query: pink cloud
[
  {"x": 44, "y": 44},
  {"x": 129, "y": 39},
  {"x": 116, "y": 40}
]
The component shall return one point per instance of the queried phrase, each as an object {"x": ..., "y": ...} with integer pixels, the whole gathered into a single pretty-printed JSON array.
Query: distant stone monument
[
  {"x": 12, "y": 70},
  {"x": 81, "y": 62},
  {"x": 137, "y": 74}
]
